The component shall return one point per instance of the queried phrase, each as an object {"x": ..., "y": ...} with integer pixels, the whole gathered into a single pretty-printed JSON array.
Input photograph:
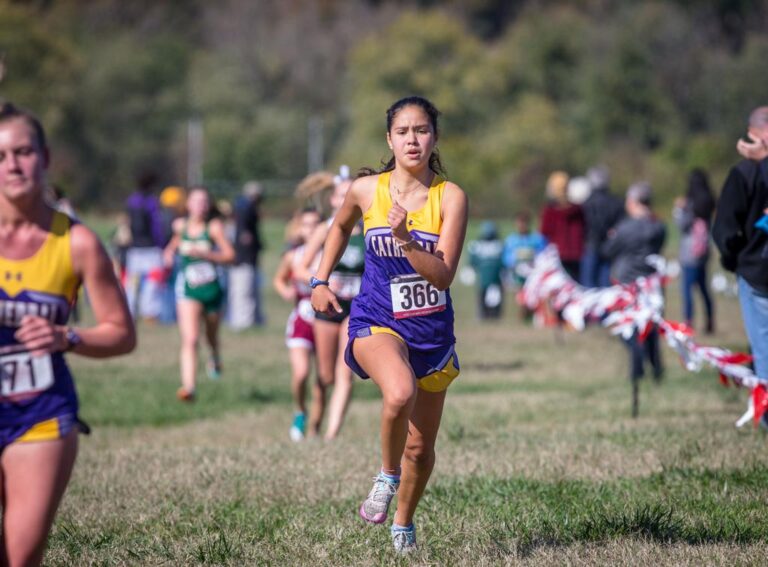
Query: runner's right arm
[
  {"x": 323, "y": 299},
  {"x": 282, "y": 279},
  {"x": 313, "y": 246},
  {"x": 170, "y": 249}
]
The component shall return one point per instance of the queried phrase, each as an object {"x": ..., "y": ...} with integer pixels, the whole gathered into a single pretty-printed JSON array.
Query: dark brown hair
[
  {"x": 9, "y": 111},
  {"x": 432, "y": 113}
]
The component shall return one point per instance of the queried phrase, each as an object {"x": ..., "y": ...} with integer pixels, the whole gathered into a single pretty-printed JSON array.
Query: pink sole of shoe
[{"x": 377, "y": 519}]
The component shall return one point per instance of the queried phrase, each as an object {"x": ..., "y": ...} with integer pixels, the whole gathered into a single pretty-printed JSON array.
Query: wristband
[
  {"x": 314, "y": 282},
  {"x": 403, "y": 244},
  {"x": 73, "y": 339}
]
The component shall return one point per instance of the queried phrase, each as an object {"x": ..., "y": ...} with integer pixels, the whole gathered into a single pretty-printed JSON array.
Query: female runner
[
  {"x": 299, "y": 337},
  {"x": 331, "y": 328},
  {"x": 401, "y": 325},
  {"x": 44, "y": 258},
  {"x": 199, "y": 294}
]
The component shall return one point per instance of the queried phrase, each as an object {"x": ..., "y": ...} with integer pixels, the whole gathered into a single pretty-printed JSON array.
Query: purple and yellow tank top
[
  {"x": 393, "y": 295},
  {"x": 33, "y": 389}
]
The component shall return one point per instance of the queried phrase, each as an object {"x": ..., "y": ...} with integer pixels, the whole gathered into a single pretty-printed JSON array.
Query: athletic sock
[{"x": 390, "y": 478}]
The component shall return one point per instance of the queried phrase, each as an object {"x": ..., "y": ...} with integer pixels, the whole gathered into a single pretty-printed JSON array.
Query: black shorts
[{"x": 346, "y": 306}]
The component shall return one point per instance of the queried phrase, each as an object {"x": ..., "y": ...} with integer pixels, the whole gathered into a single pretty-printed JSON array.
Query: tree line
[{"x": 651, "y": 89}]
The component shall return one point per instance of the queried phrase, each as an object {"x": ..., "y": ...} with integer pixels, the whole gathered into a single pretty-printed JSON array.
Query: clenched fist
[{"x": 396, "y": 218}]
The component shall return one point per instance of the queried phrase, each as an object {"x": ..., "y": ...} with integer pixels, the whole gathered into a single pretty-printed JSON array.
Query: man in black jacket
[
  {"x": 244, "y": 294},
  {"x": 637, "y": 236},
  {"x": 602, "y": 211},
  {"x": 743, "y": 247}
]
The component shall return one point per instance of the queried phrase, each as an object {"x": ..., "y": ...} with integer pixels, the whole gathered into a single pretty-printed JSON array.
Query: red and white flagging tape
[{"x": 638, "y": 308}]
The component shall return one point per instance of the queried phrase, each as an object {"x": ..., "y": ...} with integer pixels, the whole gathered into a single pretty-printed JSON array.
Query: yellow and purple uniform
[
  {"x": 395, "y": 299},
  {"x": 37, "y": 394}
]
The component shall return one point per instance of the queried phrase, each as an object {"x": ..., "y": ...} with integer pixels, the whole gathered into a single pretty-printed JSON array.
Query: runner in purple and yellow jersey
[
  {"x": 44, "y": 258},
  {"x": 401, "y": 323}
]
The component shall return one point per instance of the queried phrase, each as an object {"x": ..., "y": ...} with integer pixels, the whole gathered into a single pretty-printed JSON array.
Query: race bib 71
[{"x": 22, "y": 375}]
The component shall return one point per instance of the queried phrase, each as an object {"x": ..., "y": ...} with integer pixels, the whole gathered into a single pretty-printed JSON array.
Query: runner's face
[
  {"x": 22, "y": 161},
  {"x": 412, "y": 137},
  {"x": 307, "y": 225},
  {"x": 198, "y": 204}
]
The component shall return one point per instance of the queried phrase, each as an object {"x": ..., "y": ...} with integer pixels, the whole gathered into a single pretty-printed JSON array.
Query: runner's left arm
[
  {"x": 323, "y": 299},
  {"x": 113, "y": 334},
  {"x": 439, "y": 268},
  {"x": 226, "y": 252}
]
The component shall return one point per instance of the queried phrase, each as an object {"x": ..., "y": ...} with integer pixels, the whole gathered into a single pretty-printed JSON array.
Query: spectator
[
  {"x": 693, "y": 215},
  {"x": 602, "y": 210},
  {"x": 144, "y": 272},
  {"x": 172, "y": 206},
  {"x": 742, "y": 245},
  {"x": 562, "y": 224},
  {"x": 578, "y": 191},
  {"x": 756, "y": 150},
  {"x": 485, "y": 256},
  {"x": 120, "y": 242},
  {"x": 521, "y": 247},
  {"x": 61, "y": 203},
  {"x": 628, "y": 246},
  {"x": 244, "y": 295}
]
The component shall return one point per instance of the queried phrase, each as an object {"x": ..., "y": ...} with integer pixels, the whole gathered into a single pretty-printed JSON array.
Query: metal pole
[
  {"x": 195, "y": 149},
  {"x": 315, "y": 148},
  {"x": 635, "y": 397}
]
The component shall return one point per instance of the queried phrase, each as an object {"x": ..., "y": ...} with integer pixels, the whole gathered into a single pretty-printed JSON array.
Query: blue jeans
[
  {"x": 695, "y": 276},
  {"x": 754, "y": 312},
  {"x": 595, "y": 271}
]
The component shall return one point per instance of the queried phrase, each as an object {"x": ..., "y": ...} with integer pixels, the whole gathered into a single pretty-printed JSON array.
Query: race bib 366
[{"x": 413, "y": 296}]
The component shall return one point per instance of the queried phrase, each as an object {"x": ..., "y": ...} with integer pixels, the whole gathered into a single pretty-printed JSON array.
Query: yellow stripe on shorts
[
  {"x": 440, "y": 380},
  {"x": 47, "y": 430},
  {"x": 385, "y": 331}
]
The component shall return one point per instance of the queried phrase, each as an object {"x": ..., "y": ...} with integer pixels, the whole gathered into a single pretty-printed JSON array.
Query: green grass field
[{"x": 538, "y": 459}]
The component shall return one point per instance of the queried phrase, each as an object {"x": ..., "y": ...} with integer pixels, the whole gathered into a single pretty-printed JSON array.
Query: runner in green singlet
[{"x": 201, "y": 245}]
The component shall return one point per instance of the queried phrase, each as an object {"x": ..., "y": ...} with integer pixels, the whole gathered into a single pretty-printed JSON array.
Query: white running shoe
[
  {"x": 297, "y": 428},
  {"x": 375, "y": 507},
  {"x": 403, "y": 538}
]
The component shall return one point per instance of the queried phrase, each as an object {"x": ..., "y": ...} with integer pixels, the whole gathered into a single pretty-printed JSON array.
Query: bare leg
[
  {"x": 419, "y": 456},
  {"x": 326, "y": 345},
  {"x": 397, "y": 383},
  {"x": 300, "y": 358},
  {"x": 342, "y": 387},
  {"x": 35, "y": 476},
  {"x": 189, "y": 312},
  {"x": 212, "y": 336}
]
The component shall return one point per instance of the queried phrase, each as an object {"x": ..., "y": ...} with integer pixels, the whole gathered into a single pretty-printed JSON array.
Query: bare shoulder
[
  {"x": 452, "y": 190},
  {"x": 454, "y": 195},
  {"x": 363, "y": 189},
  {"x": 364, "y": 186},
  {"x": 215, "y": 225},
  {"x": 84, "y": 242},
  {"x": 178, "y": 225}
]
